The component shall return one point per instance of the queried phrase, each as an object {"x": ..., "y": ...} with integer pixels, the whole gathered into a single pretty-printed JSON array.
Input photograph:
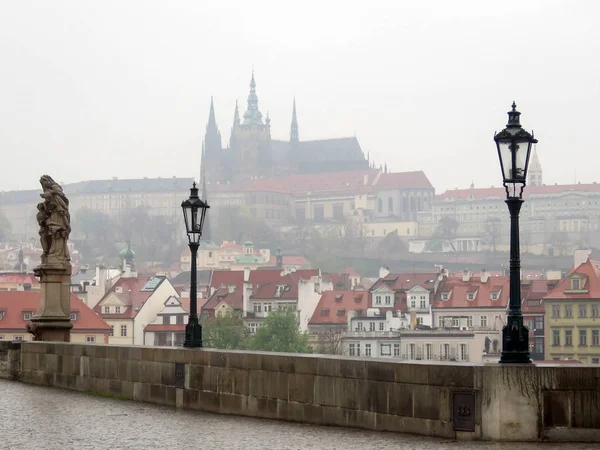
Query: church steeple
[
  {"x": 252, "y": 116},
  {"x": 236, "y": 115},
  {"x": 211, "y": 146},
  {"x": 535, "y": 170},
  {"x": 206, "y": 231},
  {"x": 212, "y": 122},
  {"x": 294, "y": 128}
]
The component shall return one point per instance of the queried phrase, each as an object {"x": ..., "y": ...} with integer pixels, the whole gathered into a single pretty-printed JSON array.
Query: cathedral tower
[
  {"x": 211, "y": 147},
  {"x": 251, "y": 141},
  {"x": 535, "y": 170}
]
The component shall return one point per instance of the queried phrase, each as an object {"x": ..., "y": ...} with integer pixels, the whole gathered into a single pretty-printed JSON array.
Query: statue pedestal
[{"x": 52, "y": 322}]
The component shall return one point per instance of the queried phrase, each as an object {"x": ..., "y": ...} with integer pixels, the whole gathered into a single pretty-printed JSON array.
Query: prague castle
[{"x": 252, "y": 153}]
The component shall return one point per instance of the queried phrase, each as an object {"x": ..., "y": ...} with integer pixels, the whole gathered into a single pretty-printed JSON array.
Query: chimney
[
  {"x": 485, "y": 275},
  {"x": 246, "y": 292},
  {"x": 246, "y": 274},
  {"x": 231, "y": 288},
  {"x": 580, "y": 257},
  {"x": 384, "y": 271},
  {"x": 466, "y": 275},
  {"x": 101, "y": 276},
  {"x": 366, "y": 179}
]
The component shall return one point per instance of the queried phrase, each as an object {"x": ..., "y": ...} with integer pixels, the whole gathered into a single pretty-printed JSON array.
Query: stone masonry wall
[
  {"x": 10, "y": 360},
  {"x": 493, "y": 402}
]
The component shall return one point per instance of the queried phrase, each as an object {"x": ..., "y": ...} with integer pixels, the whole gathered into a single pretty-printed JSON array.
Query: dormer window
[
  {"x": 74, "y": 316},
  {"x": 341, "y": 312},
  {"x": 1, "y": 315},
  {"x": 107, "y": 310},
  {"x": 27, "y": 315},
  {"x": 575, "y": 284},
  {"x": 117, "y": 310},
  {"x": 445, "y": 296},
  {"x": 471, "y": 296},
  {"x": 494, "y": 296},
  {"x": 325, "y": 312},
  {"x": 378, "y": 299}
]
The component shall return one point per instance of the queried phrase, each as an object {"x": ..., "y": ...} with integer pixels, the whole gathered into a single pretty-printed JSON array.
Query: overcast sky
[{"x": 101, "y": 89}]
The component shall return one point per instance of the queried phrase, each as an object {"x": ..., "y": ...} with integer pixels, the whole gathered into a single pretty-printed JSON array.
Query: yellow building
[{"x": 572, "y": 316}]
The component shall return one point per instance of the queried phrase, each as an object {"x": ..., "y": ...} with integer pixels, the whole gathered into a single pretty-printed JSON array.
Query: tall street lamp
[
  {"x": 514, "y": 148},
  {"x": 194, "y": 212}
]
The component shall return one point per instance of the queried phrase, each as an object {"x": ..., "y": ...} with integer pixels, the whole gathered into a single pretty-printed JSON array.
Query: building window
[
  {"x": 582, "y": 310},
  {"x": 470, "y": 321},
  {"x": 390, "y": 204},
  {"x": 338, "y": 211},
  {"x": 318, "y": 213},
  {"x": 124, "y": 330},
  {"x": 583, "y": 338},
  {"x": 358, "y": 349},
  {"x": 106, "y": 309},
  {"x": 556, "y": 311},
  {"x": 381, "y": 326},
  {"x": 455, "y": 322},
  {"x": 419, "y": 321},
  {"x": 539, "y": 323},
  {"x": 388, "y": 299},
  {"x": 396, "y": 349},
  {"x": 359, "y": 327},
  {"x": 423, "y": 304},
  {"x": 441, "y": 322},
  {"x": 428, "y": 351},
  {"x": 569, "y": 338},
  {"x": 595, "y": 337},
  {"x": 595, "y": 360},
  {"x": 367, "y": 349},
  {"x": 112, "y": 330},
  {"x": 445, "y": 296},
  {"x": 378, "y": 299},
  {"x": 386, "y": 350},
  {"x": 73, "y": 316},
  {"x": 568, "y": 311},
  {"x": 595, "y": 310},
  {"x": 575, "y": 284},
  {"x": 483, "y": 321},
  {"x": 470, "y": 296},
  {"x": 555, "y": 338},
  {"x": 539, "y": 345},
  {"x": 463, "y": 352},
  {"x": 26, "y": 316},
  {"x": 379, "y": 205},
  {"x": 371, "y": 326},
  {"x": 494, "y": 296},
  {"x": 90, "y": 339},
  {"x": 1, "y": 315},
  {"x": 413, "y": 304},
  {"x": 18, "y": 338},
  {"x": 117, "y": 310},
  {"x": 351, "y": 350}
]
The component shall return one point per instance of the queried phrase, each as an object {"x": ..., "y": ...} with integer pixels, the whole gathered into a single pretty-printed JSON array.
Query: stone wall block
[
  {"x": 116, "y": 388},
  {"x": 29, "y": 361},
  {"x": 241, "y": 381},
  {"x": 328, "y": 367},
  {"x": 347, "y": 393},
  {"x": 209, "y": 401},
  {"x": 194, "y": 377},
  {"x": 163, "y": 395},
  {"x": 306, "y": 364},
  {"x": 259, "y": 383},
  {"x": 134, "y": 353},
  {"x": 141, "y": 392},
  {"x": 53, "y": 363},
  {"x": 70, "y": 365},
  {"x": 233, "y": 403},
  {"x": 83, "y": 384},
  {"x": 215, "y": 358},
  {"x": 111, "y": 368},
  {"x": 383, "y": 371},
  {"x": 353, "y": 368},
  {"x": 301, "y": 388},
  {"x": 325, "y": 391},
  {"x": 226, "y": 381},
  {"x": 149, "y": 372},
  {"x": 262, "y": 407},
  {"x": 35, "y": 347},
  {"x": 167, "y": 373},
  {"x": 333, "y": 415},
  {"x": 577, "y": 378},
  {"x": 113, "y": 352},
  {"x": 210, "y": 379},
  {"x": 426, "y": 402},
  {"x": 374, "y": 396},
  {"x": 460, "y": 376},
  {"x": 586, "y": 409},
  {"x": 445, "y": 400},
  {"x": 411, "y": 373},
  {"x": 281, "y": 363},
  {"x": 97, "y": 350},
  {"x": 401, "y": 399},
  {"x": 149, "y": 354}
]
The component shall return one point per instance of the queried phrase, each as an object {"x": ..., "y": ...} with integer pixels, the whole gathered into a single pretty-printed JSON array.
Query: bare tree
[
  {"x": 447, "y": 230},
  {"x": 331, "y": 343},
  {"x": 492, "y": 230},
  {"x": 560, "y": 242}
]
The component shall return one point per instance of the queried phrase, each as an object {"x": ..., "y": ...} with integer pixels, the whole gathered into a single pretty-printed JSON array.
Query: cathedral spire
[
  {"x": 252, "y": 116},
  {"x": 212, "y": 122},
  {"x": 236, "y": 115},
  {"x": 206, "y": 230},
  {"x": 294, "y": 128}
]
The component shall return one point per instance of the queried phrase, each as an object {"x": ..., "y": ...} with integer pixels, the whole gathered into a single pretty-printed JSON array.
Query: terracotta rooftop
[
  {"x": 459, "y": 290},
  {"x": 233, "y": 299},
  {"x": 333, "y": 306},
  {"x": 14, "y": 303},
  {"x": 291, "y": 261},
  {"x": 406, "y": 281},
  {"x": 133, "y": 292},
  {"x": 499, "y": 192},
  {"x": 224, "y": 278},
  {"x": 589, "y": 273},
  {"x": 18, "y": 278}
]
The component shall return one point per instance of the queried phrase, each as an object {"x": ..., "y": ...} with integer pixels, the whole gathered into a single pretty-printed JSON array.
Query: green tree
[
  {"x": 447, "y": 229},
  {"x": 279, "y": 333},
  {"x": 225, "y": 331}
]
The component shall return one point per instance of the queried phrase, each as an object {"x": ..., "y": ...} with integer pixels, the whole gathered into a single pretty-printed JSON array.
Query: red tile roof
[
  {"x": 14, "y": 303},
  {"x": 350, "y": 271},
  {"x": 590, "y": 273},
  {"x": 458, "y": 290},
  {"x": 333, "y": 306},
  {"x": 532, "y": 292},
  {"x": 403, "y": 180},
  {"x": 233, "y": 299},
  {"x": 499, "y": 192},
  {"x": 406, "y": 281},
  {"x": 131, "y": 295},
  {"x": 224, "y": 278},
  {"x": 291, "y": 261},
  {"x": 18, "y": 278}
]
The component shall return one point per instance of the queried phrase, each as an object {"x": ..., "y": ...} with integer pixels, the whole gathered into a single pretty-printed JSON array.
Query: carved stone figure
[{"x": 55, "y": 222}]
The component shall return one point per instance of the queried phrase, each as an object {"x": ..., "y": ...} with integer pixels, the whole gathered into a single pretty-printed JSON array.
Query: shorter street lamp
[
  {"x": 514, "y": 148},
  {"x": 194, "y": 212}
]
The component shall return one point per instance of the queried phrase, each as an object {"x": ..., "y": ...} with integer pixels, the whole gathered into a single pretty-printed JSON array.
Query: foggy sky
[{"x": 101, "y": 89}]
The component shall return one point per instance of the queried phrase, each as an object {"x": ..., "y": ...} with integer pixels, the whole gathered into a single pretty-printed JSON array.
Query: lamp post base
[
  {"x": 193, "y": 334},
  {"x": 515, "y": 342}
]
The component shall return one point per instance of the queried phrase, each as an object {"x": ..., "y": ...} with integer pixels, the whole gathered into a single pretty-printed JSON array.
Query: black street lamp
[
  {"x": 514, "y": 148},
  {"x": 194, "y": 212}
]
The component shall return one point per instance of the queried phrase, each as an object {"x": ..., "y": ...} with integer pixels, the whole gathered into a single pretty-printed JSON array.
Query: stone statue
[{"x": 55, "y": 222}]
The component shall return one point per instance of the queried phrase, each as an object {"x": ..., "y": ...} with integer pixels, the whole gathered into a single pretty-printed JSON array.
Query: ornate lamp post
[
  {"x": 514, "y": 148},
  {"x": 194, "y": 212}
]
